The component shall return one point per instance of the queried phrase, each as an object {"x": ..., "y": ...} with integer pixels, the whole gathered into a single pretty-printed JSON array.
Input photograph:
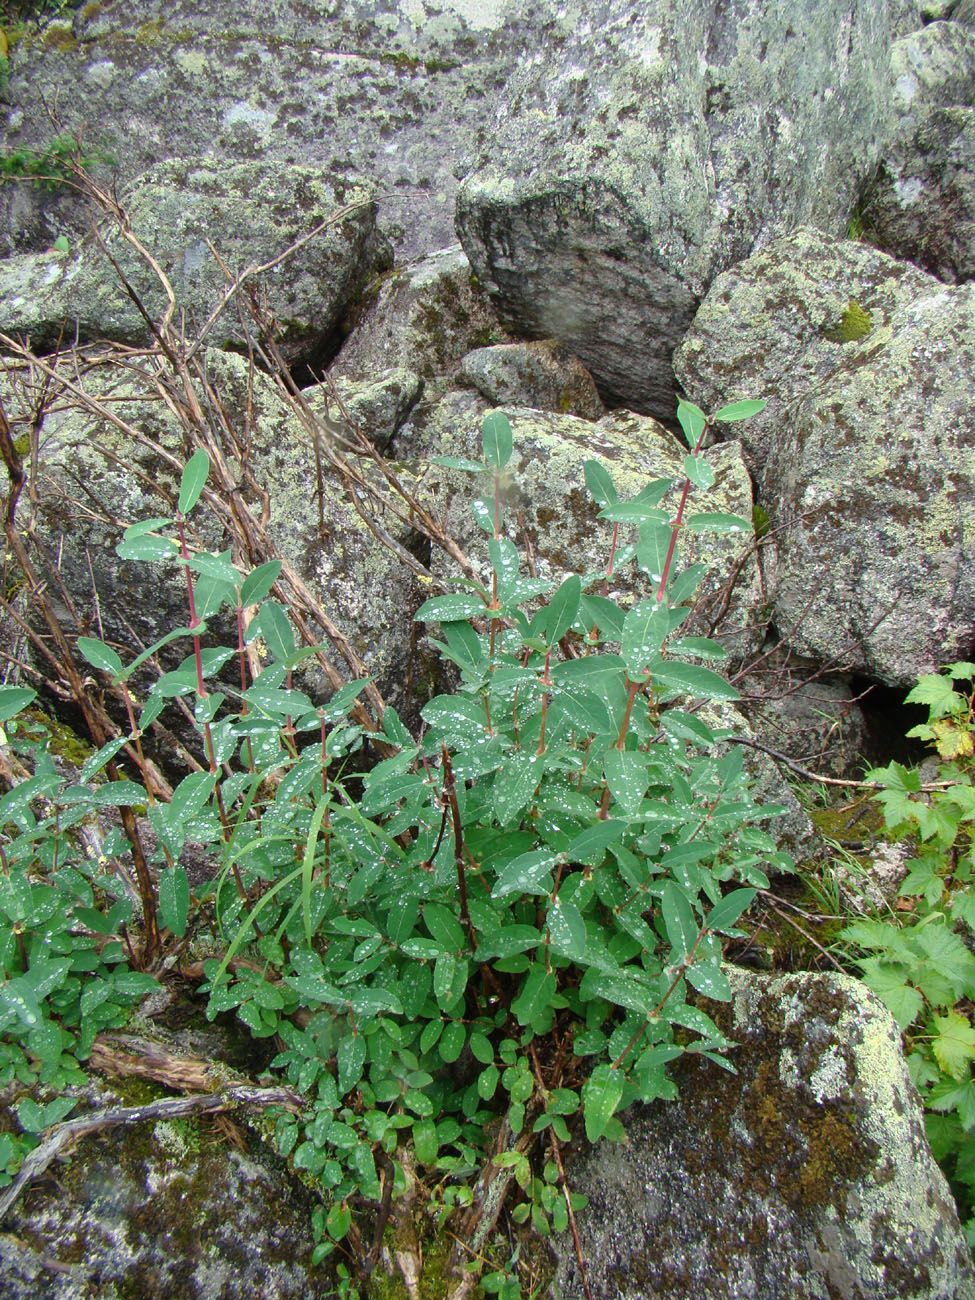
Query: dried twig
[{"x": 63, "y": 1136}]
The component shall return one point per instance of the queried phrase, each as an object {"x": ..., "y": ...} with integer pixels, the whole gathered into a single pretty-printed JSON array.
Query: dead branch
[{"x": 63, "y": 1136}]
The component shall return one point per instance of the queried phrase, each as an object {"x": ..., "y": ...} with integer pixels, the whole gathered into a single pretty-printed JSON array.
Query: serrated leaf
[
  {"x": 953, "y": 1043},
  {"x": 903, "y": 1001}
]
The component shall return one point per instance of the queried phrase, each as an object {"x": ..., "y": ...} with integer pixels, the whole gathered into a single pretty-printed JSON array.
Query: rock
[
  {"x": 805, "y": 1176},
  {"x": 617, "y": 188},
  {"x": 169, "y": 1208},
  {"x": 251, "y": 213},
  {"x": 425, "y": 317},
  {"x": 865, "y": 452},
  {"x": 94, "y": 478},
  {"x": 811, "y": 718},
  {"x": 405, "y": 89},
  {"x": 921, "y": 204},
  {"x": 543, "y": 375},
  {"x": 782, "y": 322},
  {"x": 378, "y": 409}
]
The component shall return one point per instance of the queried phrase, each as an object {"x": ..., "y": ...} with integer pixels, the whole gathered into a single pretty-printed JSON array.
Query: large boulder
[
  {"x": 425, "y": 316},
  {"x": 169, "y": 1207},
  {"x": 806, "y": 1175},
  {"x": 250, "y": 213},
  {"x": 402, "y": 91},
  {"x": 618, "y": 187},
  {"x": 921, "y": 204},
  {"x": 865, "y": 451}
]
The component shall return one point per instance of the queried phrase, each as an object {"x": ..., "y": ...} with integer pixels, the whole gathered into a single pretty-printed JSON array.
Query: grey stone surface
[
  {"x": 165, "y": 1209},
  {"x": 921, "y": 204},
  {"x": 772, "y": 327},
  {"x": 404, "y": 91},
  {"x": 378, "y": 409},
  {"x": 805, "y": 1176},
  {"x": 866, "y": 452},
  {"x": 543, "y": 375},
  {"x": 424, "y": 316},
  {"x": 251, "y": 213},
  {"x": 619, "y": 187}
]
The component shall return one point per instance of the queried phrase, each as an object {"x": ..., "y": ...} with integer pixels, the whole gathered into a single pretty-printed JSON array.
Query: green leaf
[
  {"x": 562, "y": 609},
  {"x": 680, "y": 921},
  {"x": 644, "y": 630},
  {"x": 338, "y": 1221},
  {"x": 452, "y": 1042},
  {"x": 147, "y": 548},
  {"x": 425, "y": 1144},
  {"x": 566, "y": 929},
  {"x": 627, "y": 777},
  {"x": 215, "y": 567},
  {"x": 61, "y": 245},
  {"x": 904, "y": 1002},
  {"x": 717, "y": 522},
  {"x": 599, "y": 481},
  {"x": 274, "y": 626},
  {"x": 449, "y": 609},
  {"x": 708, "y": 978},
  {"x": 496, "y": 439},
  {"x": 739, "y": 411},
  {"x": 525, "y": 874},
  {"x": 350, "y": 1057},
  {"x": 514, "y": 785},
  {"x": 692, "y": 420},
  {"x": 193, "y": 481},
  {"x": 535, "y": 996},
  {"x": 449, "y": 980},
  {"x": 937, "y": 693},
  {"x": 953, "y": 1043},
  {"x": 99, "y": 655},
  {"x": 259, "y": 582},
  {"x": 588, "y": 847},
  {"x": 725, "y": 913},
  {"x": 692, "y": 679},
  {"x": 699, "y": 472},
  {"x": 174, "y": 899},
  {"x": 601, "y": 1095},
  {"x": 444, "y": 927},
  {"x": 459, "y": 462}
]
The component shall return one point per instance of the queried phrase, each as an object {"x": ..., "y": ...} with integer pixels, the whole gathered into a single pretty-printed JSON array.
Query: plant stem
[{"x": 450, "y": 794}]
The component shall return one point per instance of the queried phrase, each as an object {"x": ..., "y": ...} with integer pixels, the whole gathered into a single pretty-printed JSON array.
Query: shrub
[
  {"x": 921, "y": 962},
  {"x": 466, "y": 944}
]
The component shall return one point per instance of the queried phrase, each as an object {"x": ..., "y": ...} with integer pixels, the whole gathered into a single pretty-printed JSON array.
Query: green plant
[
  {"x": 922, "y": 963},
  {"x": 51, "y": 166},
  {"x": 467, "y": 944}
]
